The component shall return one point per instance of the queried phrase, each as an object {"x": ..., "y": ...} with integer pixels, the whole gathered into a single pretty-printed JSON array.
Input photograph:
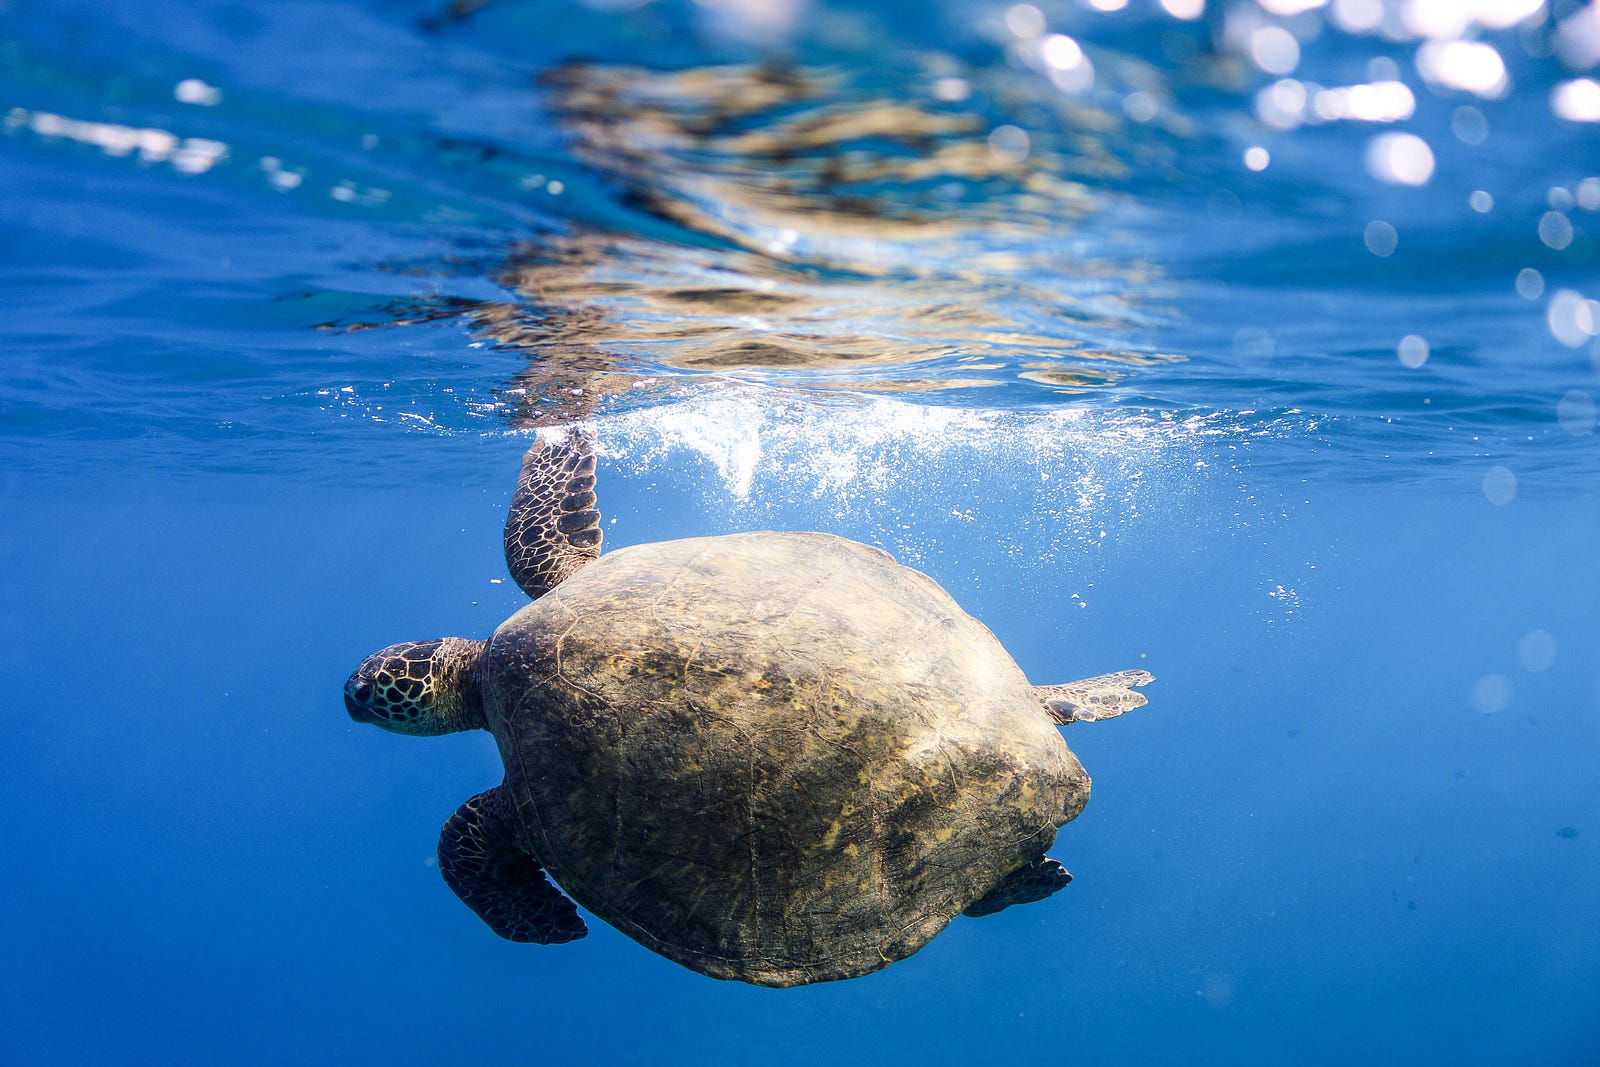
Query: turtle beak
[{"x": 356, "y": 694}]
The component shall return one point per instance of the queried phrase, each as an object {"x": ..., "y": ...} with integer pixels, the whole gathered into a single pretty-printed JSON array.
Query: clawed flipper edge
[
  {"x": 1028, "y": 883},
  {"x": 554, "y": 525},
  {"x": 1104, "y": 696},
  {"x": 485, "y": 866}
]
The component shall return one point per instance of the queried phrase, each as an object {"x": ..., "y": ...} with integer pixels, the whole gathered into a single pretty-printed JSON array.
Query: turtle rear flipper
[
  {"x": 554, "y": 525},
  {"x": 1028, "y": 883},
  {"x": 1104, "y": 696},
  {"x": 482, "y": 862}
]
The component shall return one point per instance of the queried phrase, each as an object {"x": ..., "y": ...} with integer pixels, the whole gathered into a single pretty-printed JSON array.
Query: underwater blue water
[{"x": 1185, "y": 378}]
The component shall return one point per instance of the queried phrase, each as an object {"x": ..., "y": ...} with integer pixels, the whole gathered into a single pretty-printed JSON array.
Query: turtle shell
[{"x": 773, "y": 757}]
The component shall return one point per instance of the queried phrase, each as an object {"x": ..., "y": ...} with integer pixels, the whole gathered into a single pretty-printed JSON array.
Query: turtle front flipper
[
  {"x": 554, "y": 526},
  {"x": 1028, "y": 883},
  {"x": 1104, "y": 696},
  {"x": 493, "y": 875}
]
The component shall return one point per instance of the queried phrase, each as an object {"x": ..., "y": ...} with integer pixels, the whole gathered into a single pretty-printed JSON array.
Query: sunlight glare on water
[
  {"x": 964, "y": 228},
  {"x": 1253, "y": 343}
]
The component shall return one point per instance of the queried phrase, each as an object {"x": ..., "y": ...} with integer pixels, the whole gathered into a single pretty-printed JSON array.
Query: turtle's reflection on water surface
[{"x": 796, "y": 227}]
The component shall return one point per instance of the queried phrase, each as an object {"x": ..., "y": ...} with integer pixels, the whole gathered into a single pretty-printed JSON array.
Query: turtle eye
[{"x": 362, "y": 693}]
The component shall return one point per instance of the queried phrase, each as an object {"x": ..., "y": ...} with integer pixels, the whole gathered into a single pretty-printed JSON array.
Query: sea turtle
[{"x": 774, "y": 757}]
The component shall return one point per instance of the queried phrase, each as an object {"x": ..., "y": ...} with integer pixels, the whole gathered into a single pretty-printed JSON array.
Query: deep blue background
[{"x": 1309, "y": 846}]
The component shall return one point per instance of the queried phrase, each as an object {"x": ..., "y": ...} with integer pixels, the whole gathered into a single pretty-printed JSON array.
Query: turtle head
[{"x": 419, "y": 687}]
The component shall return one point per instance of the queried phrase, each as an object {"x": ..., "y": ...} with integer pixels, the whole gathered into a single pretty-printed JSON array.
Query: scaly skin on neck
[{"x": 457, "y": 697}]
